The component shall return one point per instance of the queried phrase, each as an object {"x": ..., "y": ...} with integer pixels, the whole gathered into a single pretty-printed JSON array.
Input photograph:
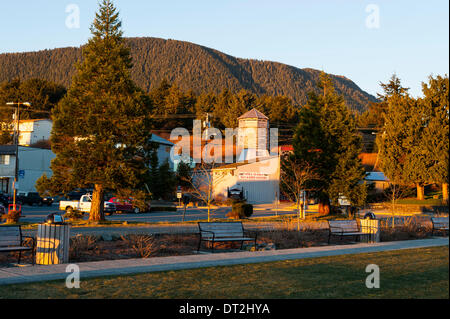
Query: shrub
[
  {"x": 81, "y": 244},
  {"x": 241, "y": 210},
  {"x": 143, "y": 245},
  {"x": 73, "y": 215},
  {"x": 12, "y": 217}
]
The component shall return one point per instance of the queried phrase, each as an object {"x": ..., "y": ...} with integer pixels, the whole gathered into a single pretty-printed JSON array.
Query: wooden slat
[
  {"x": 10, "y": 243},
  {"x": 14, "y": 248},
  {"x": 232, "y": 231},
  {"x": 7, "y": 232},
  {"x": 9, "y": 239},
  {"x": 230, "y": 239},
  {"x": 343, "y": 226},
  {"x": 439, "y": 220},
  {"x": 10, "y": 236}
]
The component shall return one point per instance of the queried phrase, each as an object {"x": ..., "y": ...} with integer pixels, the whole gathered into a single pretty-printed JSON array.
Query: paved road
[{"x": 37, "y": 214}]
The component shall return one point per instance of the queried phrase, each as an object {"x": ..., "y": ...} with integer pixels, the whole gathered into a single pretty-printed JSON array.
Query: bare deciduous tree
[
  {"x": 202, "y": 181},
  {"x": 295, "y": 176}
]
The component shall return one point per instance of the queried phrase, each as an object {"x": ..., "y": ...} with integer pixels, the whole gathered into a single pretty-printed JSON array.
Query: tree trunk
[
  {"x": 420, "y": 192},
  {"x": 445, "y": 191},
  {"x": 96, "y": 213},
  {"x": 324, "y": 207}
]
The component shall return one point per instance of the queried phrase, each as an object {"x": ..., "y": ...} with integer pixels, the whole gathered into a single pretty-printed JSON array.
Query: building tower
[{"x": 253, "y": 136}]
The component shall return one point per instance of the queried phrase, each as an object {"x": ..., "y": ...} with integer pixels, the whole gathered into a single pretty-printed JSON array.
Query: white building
[
  {"x": 256, "y": 172},
  {"x": 253, "y": 135},
  {"x": 33, "y": 131},
  {"x": 379, "y": 180},
  {"x": 164, "y": 148},
  {"x": 33, "y": 163}
]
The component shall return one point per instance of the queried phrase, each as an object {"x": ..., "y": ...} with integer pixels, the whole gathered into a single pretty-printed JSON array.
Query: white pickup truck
[{"x": 84, "y": 205}]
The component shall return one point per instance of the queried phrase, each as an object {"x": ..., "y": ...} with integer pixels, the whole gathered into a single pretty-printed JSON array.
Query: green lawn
[
  {"x": 415, "y": 273},
  {"x": 425, "y": 202}
]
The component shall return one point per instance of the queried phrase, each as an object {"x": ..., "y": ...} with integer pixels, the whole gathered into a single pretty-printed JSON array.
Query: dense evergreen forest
[{"x": 189, "y": 66}]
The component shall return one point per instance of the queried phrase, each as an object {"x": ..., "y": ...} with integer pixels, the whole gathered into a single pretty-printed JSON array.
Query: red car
[{"x": 124, "y": 205}]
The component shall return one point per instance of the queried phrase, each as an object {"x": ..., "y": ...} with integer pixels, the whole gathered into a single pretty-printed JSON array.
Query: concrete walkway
[{"x": 16, "y": 275}]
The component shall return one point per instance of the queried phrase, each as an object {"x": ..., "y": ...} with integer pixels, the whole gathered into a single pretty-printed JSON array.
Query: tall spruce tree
[
  {"x": 326, "y": 138},
  {"x": 101, "y": 128},
  {"x": 391, "y": 148},
  {"x": 436, "y": 132},
  {"x": 413, "y": 149}
]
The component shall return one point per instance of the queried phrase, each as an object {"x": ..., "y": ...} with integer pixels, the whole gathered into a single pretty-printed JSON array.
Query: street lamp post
[{"x": 16, "y": 133}]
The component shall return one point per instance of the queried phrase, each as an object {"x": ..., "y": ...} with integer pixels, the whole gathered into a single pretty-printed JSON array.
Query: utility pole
[{"x": 17, "y": 133}]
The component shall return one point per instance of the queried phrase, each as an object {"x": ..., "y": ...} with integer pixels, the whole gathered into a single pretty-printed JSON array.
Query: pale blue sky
[{"x": 331, "y": 35}]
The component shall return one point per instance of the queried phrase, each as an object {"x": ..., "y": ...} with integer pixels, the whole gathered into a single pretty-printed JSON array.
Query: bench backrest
[
  {"x": 439, "y": 221},
  {"x": 10, "y": 236},
  {"x": 345, "y": 226},
  {"x": 231, "y": 229}
]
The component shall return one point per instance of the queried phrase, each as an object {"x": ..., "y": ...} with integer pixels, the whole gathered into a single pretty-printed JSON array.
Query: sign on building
[{"x": 253, "y": 176}]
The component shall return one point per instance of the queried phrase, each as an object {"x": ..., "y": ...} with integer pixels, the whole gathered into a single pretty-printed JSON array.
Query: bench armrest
[
  {"x": 248, "y": 232},
  {"x": 207, "y": 231},
  {"x": 33, "y": 241}
]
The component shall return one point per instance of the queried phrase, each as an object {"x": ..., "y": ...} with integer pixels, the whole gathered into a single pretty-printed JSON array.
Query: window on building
[
  {"x": 4, "y": 183},
  {"x": 4, "y": 159}
]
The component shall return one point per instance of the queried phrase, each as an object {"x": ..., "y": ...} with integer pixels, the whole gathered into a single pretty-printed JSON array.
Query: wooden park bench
[
  {"x": 11, "y": 239},
  {"x": 439, "y": 224},
  {"x": 222, "y": 232},
  {"x": 344, "y": 228}
]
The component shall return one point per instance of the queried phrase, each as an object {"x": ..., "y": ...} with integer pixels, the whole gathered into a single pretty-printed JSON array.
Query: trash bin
[
  {"x": 370, "y": 226},
  {"x": 370, "y": 215},
  {"x": 53, "y": 242}
]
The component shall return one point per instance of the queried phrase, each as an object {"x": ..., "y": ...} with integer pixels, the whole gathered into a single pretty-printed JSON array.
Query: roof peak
[{"x": 252, "y": 114}]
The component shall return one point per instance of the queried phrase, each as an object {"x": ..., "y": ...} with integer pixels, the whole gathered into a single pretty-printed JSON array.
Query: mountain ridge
[{"x": 189, "y": 65}]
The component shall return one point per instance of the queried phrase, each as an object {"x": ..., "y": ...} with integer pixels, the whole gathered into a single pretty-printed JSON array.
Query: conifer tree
[
  {"x": 436, "y": 132},
  {"x": 392, "y": 150},
  {"x": 101, "y": 128},
  {"x": 327, "y": 139},
  {"x": 413, "y": 148}
]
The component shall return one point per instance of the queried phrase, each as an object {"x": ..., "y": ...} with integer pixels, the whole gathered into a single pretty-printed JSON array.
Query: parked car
[
  {"x": 124, "y": 205},
  {"x": 5, "y": 199},
  {"x": 32, "y": 198},
  {"x": 76, "y": 194},
  {"x": 84, "y": 205},
  {"x": 47, "y": 200}
]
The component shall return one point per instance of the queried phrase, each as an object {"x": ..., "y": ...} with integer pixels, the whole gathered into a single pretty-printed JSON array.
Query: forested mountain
[{"x": 190, "y": 66}]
